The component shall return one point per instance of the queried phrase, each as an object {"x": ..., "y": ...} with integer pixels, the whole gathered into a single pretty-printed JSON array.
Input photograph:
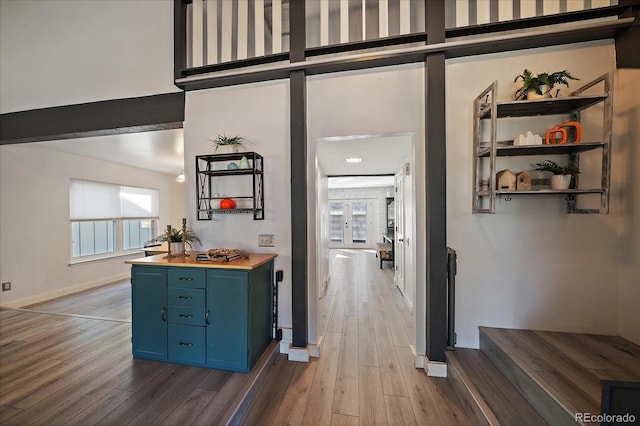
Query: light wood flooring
[
  {"x": 365, "y": 374},
  {"x": 69, "y": 362}
]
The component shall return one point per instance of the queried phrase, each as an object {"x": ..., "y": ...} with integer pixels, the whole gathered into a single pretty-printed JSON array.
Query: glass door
[{"x": 350, "y": 223}]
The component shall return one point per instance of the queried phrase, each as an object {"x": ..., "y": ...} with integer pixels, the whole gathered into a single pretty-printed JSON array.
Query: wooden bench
[{"x": 385, "y": 253}]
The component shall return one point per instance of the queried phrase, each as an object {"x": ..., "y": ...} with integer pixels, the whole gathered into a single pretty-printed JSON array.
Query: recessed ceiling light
[{"x": 353, "y": 160}]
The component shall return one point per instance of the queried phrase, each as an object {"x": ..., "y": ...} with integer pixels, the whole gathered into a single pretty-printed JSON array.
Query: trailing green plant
[
  {"x": 224, "y": 140},
  {"x": 535, "y": 83},
  {"x": 176, "y": 236},
  {"x": 557, "y": 169}
]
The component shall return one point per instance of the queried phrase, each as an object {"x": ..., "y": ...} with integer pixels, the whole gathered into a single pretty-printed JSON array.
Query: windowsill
[{"x": 102, "y": 258}]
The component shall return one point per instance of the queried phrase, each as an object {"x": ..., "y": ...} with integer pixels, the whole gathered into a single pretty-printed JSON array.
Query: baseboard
[
  {"x": 43, "y": 297},
  {"x": 298, "y": 354},
  {"x": 436, "y": 369}
]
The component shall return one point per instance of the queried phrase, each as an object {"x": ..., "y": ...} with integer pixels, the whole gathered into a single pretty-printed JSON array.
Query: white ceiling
[
  {"x": 160, "y": 151},
  {"x": 163, "y": 151}
]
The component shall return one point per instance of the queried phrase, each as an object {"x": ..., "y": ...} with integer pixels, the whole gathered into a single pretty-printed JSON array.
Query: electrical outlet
[
  {"x": 266, "y": 240},
  {"x": 6, "y": 286}
]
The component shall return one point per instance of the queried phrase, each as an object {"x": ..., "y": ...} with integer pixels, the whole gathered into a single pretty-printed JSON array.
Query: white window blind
[{"x": 89, "y": 200}]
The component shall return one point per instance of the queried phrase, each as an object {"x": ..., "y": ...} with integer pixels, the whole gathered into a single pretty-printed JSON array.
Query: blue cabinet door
[
  {"x": 226, "y": 329},
  {"x": 149, "y": 312}
]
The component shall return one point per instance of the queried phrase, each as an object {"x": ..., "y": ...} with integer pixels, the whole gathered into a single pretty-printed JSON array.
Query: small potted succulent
[
  {"x": 541, "y": 85},
  {"x": 175, "y": 239},
  {"x": 563, "y": 176},
  {"x": 231, "y": 143}
]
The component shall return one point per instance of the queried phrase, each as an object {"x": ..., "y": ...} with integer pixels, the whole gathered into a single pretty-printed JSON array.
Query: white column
[
  {"x": 324, "y": 22},
  {"x": 344, "y": 21},
  {"x": 197, "y": 46},
  {"x": 259, "y": 27},
  {"x": 212, "y": 32},
  {"x": 276, "y": 37},
  {"x": 243, "y": 28},
  {"x": 227, "y": 28}
]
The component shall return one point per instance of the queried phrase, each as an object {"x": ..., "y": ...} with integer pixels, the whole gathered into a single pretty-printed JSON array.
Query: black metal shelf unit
[{"x": 209, "y": 168}]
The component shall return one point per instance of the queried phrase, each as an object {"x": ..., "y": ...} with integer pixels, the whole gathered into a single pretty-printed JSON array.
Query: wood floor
[
  {"x": 69, "y": 362},
  {"x": 365, "y": 374}
]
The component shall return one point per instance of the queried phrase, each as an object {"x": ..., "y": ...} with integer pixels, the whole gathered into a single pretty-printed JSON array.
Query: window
[{"x": 108, "y": 220}]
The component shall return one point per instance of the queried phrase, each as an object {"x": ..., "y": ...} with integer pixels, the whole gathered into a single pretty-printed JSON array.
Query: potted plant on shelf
[
  {"x": 540, "y": 86},
  {"x": 231, "y": 143},
  {"x": 563, "y": 176},
  {"x": 175, "y": 239}
]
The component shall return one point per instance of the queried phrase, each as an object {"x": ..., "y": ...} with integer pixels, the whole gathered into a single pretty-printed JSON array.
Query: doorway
[{"x": 351, "y": 223}]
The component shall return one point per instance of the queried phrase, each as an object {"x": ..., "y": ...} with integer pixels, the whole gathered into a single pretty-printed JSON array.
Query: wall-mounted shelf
[
  {"x": 488, "y": 111},
  {"x": 248, "y": 187}
]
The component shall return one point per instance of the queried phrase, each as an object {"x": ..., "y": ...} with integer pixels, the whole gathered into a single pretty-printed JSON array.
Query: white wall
[
  {"x": 35, "y": 240},
  {"x": 626, "y": 134},
  {"x": 386, "y": 100},
  {"x": 529, "y": 265},
  {"x": 260, "y": 113},
  {"x": 68, "y": 51}
]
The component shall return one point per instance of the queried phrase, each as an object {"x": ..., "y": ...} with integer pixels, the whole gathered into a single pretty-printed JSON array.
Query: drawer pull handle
[
  {"x": 186, "y": 316},
  {"x": 185, "y": 297},
  {"x": 206, "y": 318},
  {"x": 185, "y": 279},
  {"x": 186, "y": 345},
  {"x": 163, "y": 314}
]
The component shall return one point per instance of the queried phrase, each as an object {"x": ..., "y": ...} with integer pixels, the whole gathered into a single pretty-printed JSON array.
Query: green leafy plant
[
  {"x": 536, "y": 83},
  {"x": 176, "y": 236},
  {"x": 557, "y": 169},
  {"x": 224, "y": 140}
]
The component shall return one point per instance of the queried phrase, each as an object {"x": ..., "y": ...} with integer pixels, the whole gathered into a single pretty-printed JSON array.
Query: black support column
[
  {"x": 435, "y": 186},
  {"x": 298, "y": 129}
]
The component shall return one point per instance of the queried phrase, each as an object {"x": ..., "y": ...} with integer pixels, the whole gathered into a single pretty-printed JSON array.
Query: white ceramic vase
[
  {"x": 176, "y": 249},
  {"x": 560, "y": 181}
]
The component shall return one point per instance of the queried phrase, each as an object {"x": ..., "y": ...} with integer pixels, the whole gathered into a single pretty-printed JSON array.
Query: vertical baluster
[
  {"x": 259, "y": 27},
  {"x": 383, "y": 22},
  {"x": 483, "y": 11},
  {"x": 462, "y": 13},
  {"x": 505, "y": 10},
  {"x": 277, "y": 26},
  {"x": 344, "y": 21},
  {"x": 197, "y": 44},
  {"x": 243, "y": 28},
  {"x": 574, "y": 5},
  {"x": 212, "y": 32},
  {"x": 527, "y": 8},
  {"x": 550, "y": 7},
  {"x": 227, "y": 31},
  {"x": 324, "y": 22}
]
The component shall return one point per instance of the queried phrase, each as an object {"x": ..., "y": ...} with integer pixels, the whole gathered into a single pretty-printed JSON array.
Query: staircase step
[
  {"x": 559, "y": 373},
  {"x": 487, "y": 396}
]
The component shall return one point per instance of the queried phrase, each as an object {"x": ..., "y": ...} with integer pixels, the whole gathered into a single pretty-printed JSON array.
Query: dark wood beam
[
  {"x": 130, "y": 115},
  {"x": 435, "y": 187},
  {"x": 628, "y": 42},
  {"x": 298, "y": 129}
]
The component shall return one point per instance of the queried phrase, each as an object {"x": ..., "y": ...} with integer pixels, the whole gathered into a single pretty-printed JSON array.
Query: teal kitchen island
[{"x": 202, "y": 313}]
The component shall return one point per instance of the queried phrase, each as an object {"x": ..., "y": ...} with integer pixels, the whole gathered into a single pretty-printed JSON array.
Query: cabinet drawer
[
  {"x": 191, "y": 297},
  {"x": 186, "y": 316},
  {"x": 186, "y": 344},
  {"x": 186, "y": 277}
]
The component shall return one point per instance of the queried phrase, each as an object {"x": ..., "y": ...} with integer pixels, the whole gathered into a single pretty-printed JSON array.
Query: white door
[
  {"x": 400, "y": 233},
  {"x": 350, "y": 223}
]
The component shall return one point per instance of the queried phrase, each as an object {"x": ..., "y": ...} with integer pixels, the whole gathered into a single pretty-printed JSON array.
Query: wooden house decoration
[
  {"x": 523, "y": 181},
  {"x": 505, "y": 180}
]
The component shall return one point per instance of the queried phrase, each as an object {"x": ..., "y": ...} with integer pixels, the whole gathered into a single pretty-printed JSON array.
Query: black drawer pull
[
  {"x": 186, "y": 316},
  {"x": 186, "y": 345},
  {"x": 185, "y": 297},
  {"x": 185, "y": 279}
]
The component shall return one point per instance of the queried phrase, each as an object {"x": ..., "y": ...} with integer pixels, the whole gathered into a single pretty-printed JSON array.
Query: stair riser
[{"x": 544, "y": 404}]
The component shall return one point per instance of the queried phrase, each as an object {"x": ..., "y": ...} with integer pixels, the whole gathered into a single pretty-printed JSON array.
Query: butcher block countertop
[{"x": 255, "y": 260}]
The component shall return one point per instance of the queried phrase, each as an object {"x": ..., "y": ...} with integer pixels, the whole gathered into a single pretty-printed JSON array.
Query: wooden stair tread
[{"x": 496, "y": 397}]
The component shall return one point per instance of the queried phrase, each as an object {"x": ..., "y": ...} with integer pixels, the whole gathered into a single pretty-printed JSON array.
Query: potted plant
[
  {"x": 541, "y": 85},
  {"x": 563, "y": 176},
  {"x": 231, "y": 142},
  {"x": 175, "y": 239}
]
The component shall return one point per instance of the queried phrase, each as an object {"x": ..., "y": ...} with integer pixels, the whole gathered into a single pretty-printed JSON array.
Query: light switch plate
[{"x": 266, "y": 240}]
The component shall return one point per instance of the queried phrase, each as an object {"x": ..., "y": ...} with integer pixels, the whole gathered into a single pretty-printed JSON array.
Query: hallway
[{"x": 365, "y": 374}]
